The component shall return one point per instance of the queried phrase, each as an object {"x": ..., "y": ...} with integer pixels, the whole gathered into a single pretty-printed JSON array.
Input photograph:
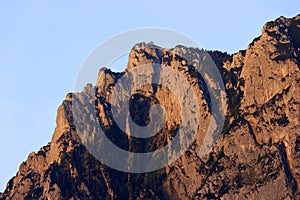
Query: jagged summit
[
  {"x": 144, "y": 45},
  {"x": 256, "y": 157}
]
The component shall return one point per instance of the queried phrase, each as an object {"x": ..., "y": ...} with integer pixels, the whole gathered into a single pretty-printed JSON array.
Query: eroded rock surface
[{"x": 256, "y": 157}]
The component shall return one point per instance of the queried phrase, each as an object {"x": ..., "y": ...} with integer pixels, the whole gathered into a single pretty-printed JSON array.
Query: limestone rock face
[{"x": 256, "y": 157}]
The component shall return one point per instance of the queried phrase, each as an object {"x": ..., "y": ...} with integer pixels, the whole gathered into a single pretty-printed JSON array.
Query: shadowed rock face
[{"x": 256, "y": 157}]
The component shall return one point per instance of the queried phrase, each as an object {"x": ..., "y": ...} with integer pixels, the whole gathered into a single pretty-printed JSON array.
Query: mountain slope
[{"x": 256, "y": 157}]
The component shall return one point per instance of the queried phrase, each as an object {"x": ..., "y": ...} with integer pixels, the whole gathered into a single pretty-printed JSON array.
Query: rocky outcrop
[{"x": 256, "y": 157}]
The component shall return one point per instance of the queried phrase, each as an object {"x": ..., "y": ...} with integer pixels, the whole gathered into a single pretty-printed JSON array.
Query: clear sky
[{"x": 43, "y": 44}]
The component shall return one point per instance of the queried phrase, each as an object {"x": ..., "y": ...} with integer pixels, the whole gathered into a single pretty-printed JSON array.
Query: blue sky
[{"x": 43, "y": 44}]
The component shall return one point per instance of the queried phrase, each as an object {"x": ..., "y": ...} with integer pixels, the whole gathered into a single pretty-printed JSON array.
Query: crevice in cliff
[
  {"x": 107, "y": 182},
  {"x": 251, "y": 131},
  {"x": 290, "y": 180},
  {"x": 211, "y": 170}
]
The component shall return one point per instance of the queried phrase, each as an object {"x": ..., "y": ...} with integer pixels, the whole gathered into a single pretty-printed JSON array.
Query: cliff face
[{"x": 256, "y": 157}]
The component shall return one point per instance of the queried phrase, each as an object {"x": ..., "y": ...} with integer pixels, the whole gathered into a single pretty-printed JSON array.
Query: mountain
[{"x": 257, "y": 156}]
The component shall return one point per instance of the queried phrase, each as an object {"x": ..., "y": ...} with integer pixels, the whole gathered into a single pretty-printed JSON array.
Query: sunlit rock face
[{"x": 257, "y": 155}]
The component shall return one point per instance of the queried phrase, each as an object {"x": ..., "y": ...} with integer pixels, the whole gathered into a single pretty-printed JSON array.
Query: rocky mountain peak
[{"x": 256, "y": 157}]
